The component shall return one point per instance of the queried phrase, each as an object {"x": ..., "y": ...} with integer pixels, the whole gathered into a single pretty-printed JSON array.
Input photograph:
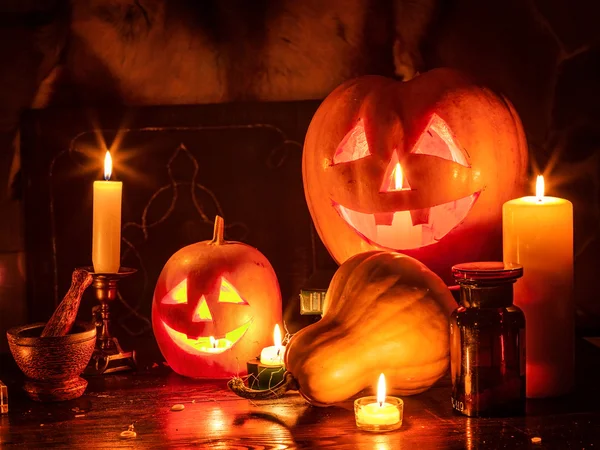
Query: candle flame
[
  {"x": 539, "y": 188},
  {"x": 398, "y": 177},
  {"x": 381, "y": 390},
  {"x": 213, "y": 342},
  {"x": 277, "y": 336},
  {"x": 107, "y": 166}
]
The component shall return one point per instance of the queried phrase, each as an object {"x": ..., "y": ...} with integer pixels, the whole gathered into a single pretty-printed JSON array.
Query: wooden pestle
[{"x": 63, "y": 318}]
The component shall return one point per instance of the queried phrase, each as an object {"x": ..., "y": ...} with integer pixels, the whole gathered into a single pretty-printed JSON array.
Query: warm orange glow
[
  {"x": 397, "y": 231},
  {"x": 354, "y": 145},
  {"x": 277, "y": 336},
  {"x": 229, "y": 294},
  {"x": 406, "y": 229},
  {"x": 539, "y": 188},
  {"x": 202, "y": 313},
  {"x": 398, "y": 177},
  {"x": 438, "y": 140},
  {"x": 209, "y": 344},
  {"x": 381, "y": 390},
  {"x": 394, "y": 179},
  {"x": 177, "y": 295},
  {"x": 107, "y": 166}
]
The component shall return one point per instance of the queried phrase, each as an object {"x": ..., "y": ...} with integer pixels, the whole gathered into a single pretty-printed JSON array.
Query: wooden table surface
[{"x": 215, "y": 418}]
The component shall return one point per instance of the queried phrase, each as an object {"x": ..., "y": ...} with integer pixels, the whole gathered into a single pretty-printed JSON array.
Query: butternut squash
[{"x": 384, "y": 312}]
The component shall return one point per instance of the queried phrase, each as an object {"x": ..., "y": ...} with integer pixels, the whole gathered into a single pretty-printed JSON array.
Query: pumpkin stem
[
  {"x": 238, "y": 387},
  {"x": 218, "y": 231}
]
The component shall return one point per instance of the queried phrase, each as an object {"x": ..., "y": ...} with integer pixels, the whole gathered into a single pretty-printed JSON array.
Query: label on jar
[{"x": 458, "y": 404}]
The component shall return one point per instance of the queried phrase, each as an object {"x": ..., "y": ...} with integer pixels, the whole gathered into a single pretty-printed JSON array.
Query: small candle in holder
[
  {"x": 216, "y": 345},
  {"x": 261, "y": 377},
  {"x": 273, "y": 355},
  {"x": 380, "y": 413},
  {"x": 267, "y": 371}
]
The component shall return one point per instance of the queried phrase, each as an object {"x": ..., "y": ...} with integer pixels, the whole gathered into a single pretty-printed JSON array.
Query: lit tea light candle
[
  {"x": 379, "y": 413},
  {"x": 216, "y": 345},
  {"x": 273, "y": 355},
  {"x": 538, "y": 234},
  {"x": 268, "y": 370},
  {"x": 106, "y": 229}
]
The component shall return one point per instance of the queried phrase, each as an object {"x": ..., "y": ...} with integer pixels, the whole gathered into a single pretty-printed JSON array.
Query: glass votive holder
[
  {"x": 371, "y": 416},
  {"x": 3, "y": 398}
]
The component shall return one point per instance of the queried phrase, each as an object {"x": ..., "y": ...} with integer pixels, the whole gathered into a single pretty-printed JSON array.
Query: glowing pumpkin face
[
  {"x": 215, "y": 306},
  {"x": 421, "y": 167}
]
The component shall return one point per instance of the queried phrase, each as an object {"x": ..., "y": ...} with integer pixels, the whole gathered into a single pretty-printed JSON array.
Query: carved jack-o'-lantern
[
  {"x": 422, "y": 167},
  {"x": 215, "y": 305}
]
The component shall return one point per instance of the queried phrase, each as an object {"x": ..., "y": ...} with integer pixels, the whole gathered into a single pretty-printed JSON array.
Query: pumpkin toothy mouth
[
  {"x": 204, "y": 344},
  {"x": 396, "y": 231}
]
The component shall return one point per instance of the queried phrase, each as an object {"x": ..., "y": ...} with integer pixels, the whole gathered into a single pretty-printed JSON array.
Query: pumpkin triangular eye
[
  {"x": 229, "y": 294},
  {"x": 438, "y": 140},
  {"x": 202, "y": 313},
  {"x": 177, "y": 295},
  {"x": 354, "y": 145}
]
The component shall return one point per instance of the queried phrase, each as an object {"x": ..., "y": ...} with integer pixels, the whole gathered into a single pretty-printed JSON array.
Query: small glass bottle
[{"x": 487, "y": 342}]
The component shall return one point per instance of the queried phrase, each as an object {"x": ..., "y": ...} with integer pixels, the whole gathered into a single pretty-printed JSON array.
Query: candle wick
[
  {"x": 381, "y": 404},
  {"x": 278, "y": 350}
]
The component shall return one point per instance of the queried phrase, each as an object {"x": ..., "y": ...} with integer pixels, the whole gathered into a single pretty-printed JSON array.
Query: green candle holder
[{"x": 261, "y": 377}]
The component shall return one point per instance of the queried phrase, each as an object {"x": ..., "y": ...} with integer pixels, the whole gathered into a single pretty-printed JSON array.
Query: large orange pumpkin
[
  {"x": 421, "y": 167},
  {"x": 215, "y": 306}
]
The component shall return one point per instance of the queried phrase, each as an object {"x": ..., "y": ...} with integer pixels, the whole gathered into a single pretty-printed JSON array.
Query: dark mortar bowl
[{"x": 52, "y": 364}]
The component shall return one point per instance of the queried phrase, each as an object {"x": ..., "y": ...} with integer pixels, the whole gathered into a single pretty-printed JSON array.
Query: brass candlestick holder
[{"x": 108, "y": 356}]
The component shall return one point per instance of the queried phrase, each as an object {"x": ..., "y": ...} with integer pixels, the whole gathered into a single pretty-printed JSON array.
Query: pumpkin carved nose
[
  {"x": 394, "y": 179},
  {"x": 202, "y": 313}
]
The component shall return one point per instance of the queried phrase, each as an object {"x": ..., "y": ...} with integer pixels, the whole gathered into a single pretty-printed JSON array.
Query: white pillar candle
[
  {"x": 538, "y": 234},
  {"x": 106, "y": 229}
]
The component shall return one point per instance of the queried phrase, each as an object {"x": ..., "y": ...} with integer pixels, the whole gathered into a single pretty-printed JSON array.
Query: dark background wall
[{"x": 543, "y": 54}]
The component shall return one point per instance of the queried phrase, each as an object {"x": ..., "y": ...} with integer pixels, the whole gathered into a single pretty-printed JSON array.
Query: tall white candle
[
  {"x": 106, "y": 230},
  {"x": 538, "y": 233}
]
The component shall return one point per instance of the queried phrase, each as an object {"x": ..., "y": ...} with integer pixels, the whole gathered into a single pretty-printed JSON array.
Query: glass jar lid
[{"x": 487, "y": 271}]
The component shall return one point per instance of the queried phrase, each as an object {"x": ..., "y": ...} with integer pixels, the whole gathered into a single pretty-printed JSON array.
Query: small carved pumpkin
[
  {"x": 215, "y": 305},
  {"x": 422, "y": 167},
  {"x": 384, "y": 312}
]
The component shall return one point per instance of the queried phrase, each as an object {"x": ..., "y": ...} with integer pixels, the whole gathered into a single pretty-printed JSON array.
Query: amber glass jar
[{"x": 487, "y": 342}]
